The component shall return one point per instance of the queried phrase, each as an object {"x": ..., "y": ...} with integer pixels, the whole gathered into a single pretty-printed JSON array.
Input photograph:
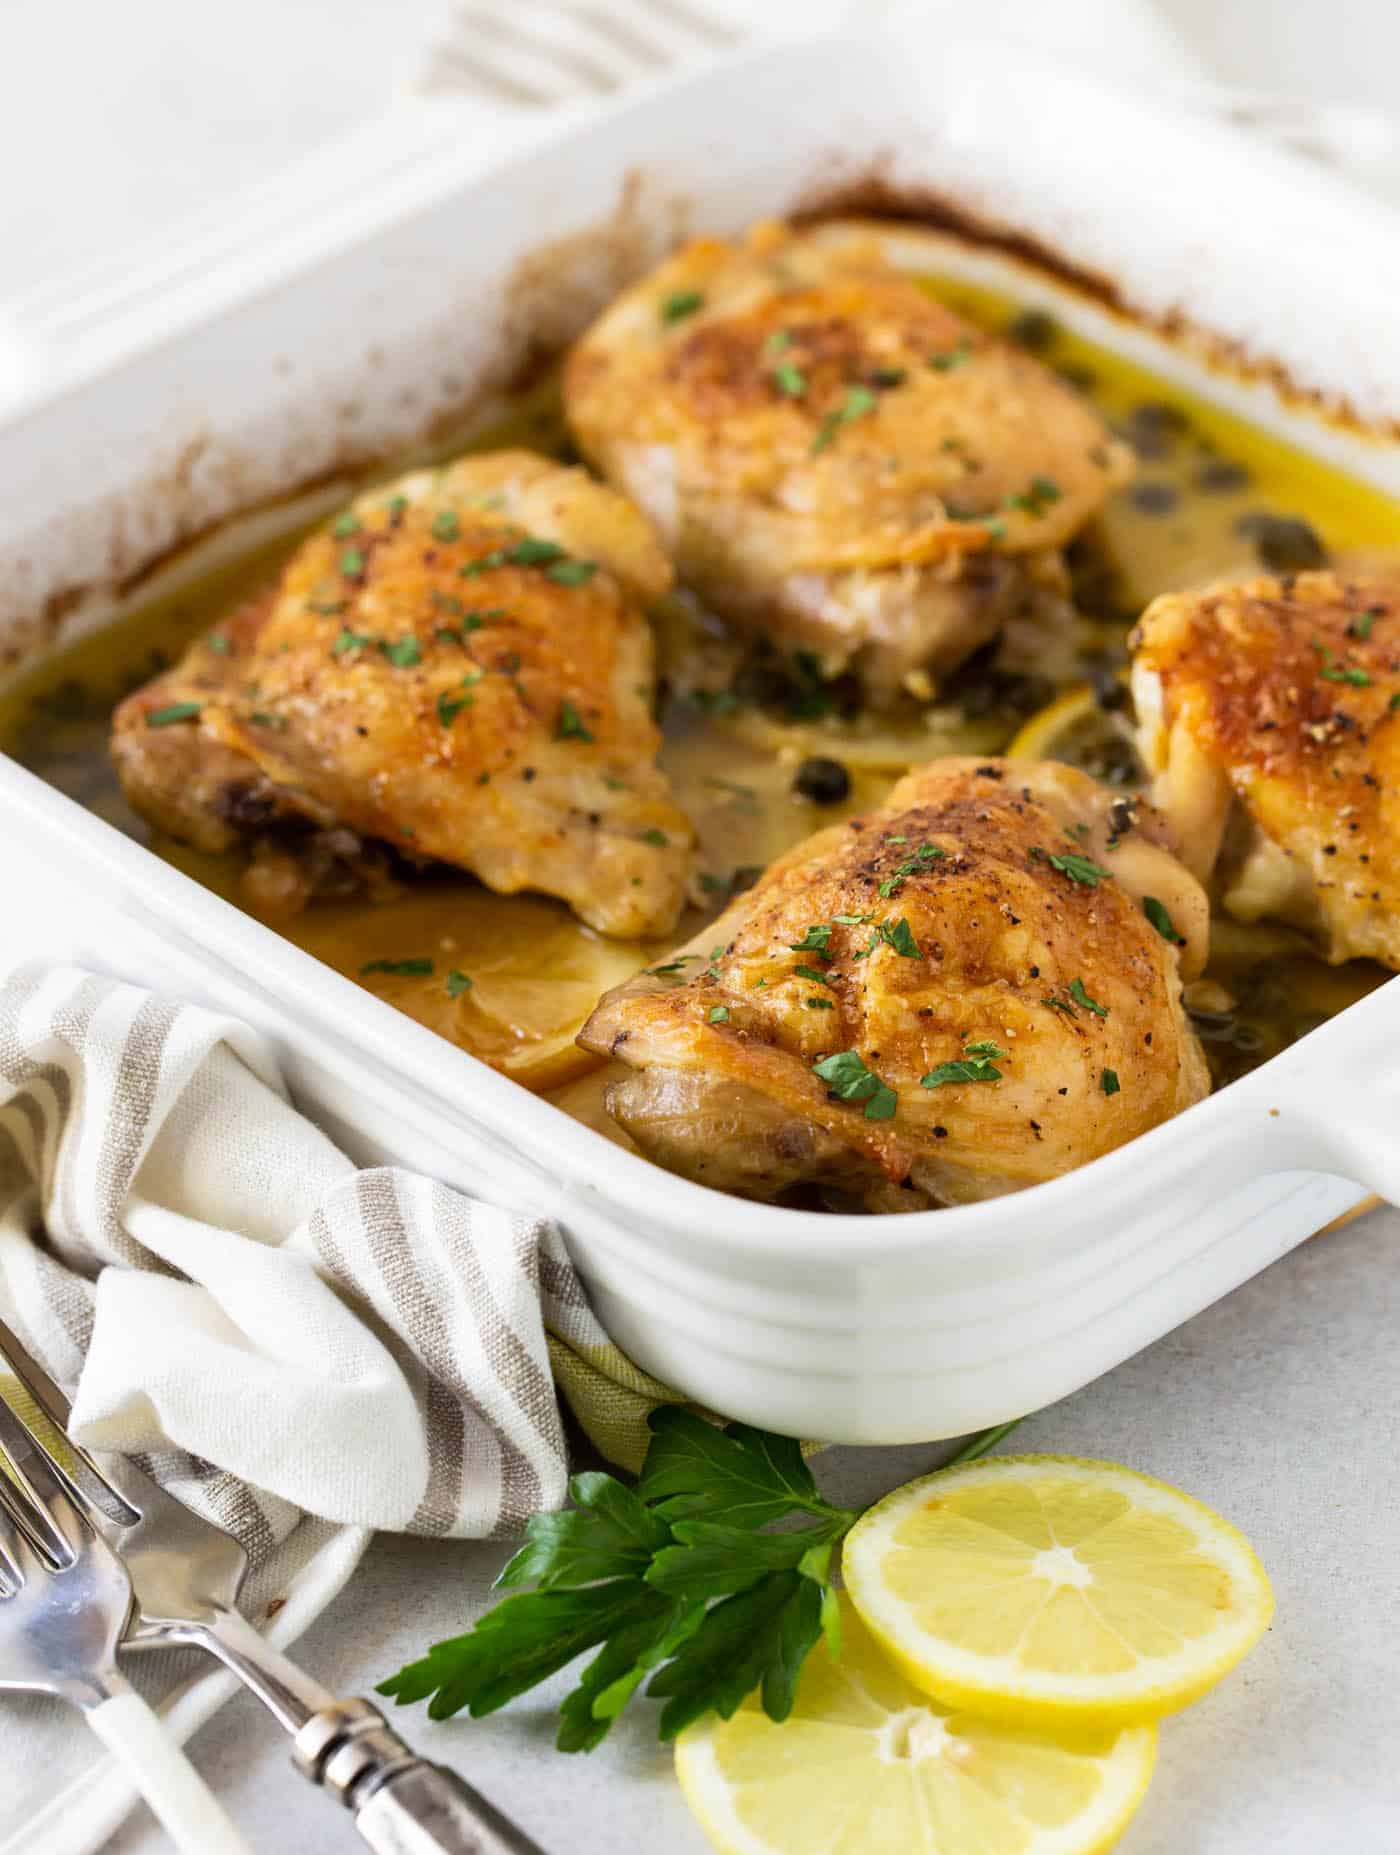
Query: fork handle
[
  {"x": 187, "y": 1809},
  {"x": 403, "y": 1804}
]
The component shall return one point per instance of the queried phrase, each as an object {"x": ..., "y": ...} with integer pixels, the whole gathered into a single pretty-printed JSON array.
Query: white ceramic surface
[{"x": 179, "y": 411}]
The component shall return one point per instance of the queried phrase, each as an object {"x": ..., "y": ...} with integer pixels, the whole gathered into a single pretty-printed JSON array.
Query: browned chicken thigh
[
  {"x": 973, "y": 989},
  {"x": 835, "y": 461},
  {"x": 459, "y": 668},
  {"x": 1267, "y": 714}
]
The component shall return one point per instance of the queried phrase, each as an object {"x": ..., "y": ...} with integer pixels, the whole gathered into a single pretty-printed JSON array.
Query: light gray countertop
[{"x": 1280, "y": 1406}]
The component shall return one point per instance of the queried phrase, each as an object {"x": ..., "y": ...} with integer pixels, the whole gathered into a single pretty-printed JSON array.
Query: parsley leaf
[
  {"x": 1077, "y": 868},
  {"x": 402, "y": 652},
  {"x": 1161, "y": 920},
  {"x": 680, "y": 304},
  {"x": 571, "y": 572},
  {"x": 457, "y": 983},
  {"x": 1108, "y": 1081},
  {"x": 945, "y": 362},
  {"x": 403, "y": 969},
  {"x": 975, "y": 1065},
  {"x": 676, "y": 1584},
  {"x": 348, "y": 640},
  {"x": 899, "y": 935},
  {"x": 176, "y": 711},
  {"x": 858, "y": 401},
  {"x": 922, "y": 857},
  {"x": 570, "y": 725},
  {"x": 447, "y": 525},
  {"x": 850, "y": 1080},
  {"x": 790, "y": 380},
  {"x": 817, "y": 939},
  {"x": 810, "y": 972},
  {"x": 1081, "y": 997},
  {"x": 717, "y": 1014}
]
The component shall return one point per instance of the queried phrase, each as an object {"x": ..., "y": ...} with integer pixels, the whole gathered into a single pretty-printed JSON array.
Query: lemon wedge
[
  {"x": 867, "y": 1765},
  {"x": 1078, "y": 730},
  {"x": 1056, "y": 1591}
]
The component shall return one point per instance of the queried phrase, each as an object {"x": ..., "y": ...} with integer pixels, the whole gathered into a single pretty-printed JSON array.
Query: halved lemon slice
[
  {"x": 510, "y": 978},
  {"x": 867, "y": 1765},
  {"x": 1079, "y": 730},
  {"x": 1058, "y": 1591}
]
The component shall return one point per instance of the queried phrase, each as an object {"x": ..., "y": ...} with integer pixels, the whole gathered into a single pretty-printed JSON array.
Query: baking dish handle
[{"x": 1327, "y": 1124}]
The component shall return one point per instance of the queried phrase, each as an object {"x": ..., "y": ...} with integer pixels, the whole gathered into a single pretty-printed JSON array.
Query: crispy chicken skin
[
  {"x": 937, "y": 923},
  {"x": 458, "y": 668},
  {"x": 834, "y": 460},
  {"x": 1266, "y": 716}
]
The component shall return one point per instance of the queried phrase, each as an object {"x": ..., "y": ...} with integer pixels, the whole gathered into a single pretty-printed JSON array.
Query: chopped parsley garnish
[
  {"x": 1360, "y": 626},
  {"x": 922, "y": 857},
  {"x": 680, "y": 304},
  {"x": 1071, "y": 864},
  {"x": 886, "y": 377},
  {"x": 218, "y": 643},
  {"x": 457, "y": 983},
  {"x": 177, "y": 711},
  {"x": 790, "y": 380},
  {"x": 950, "y": 358},
  {"x": 849, "y": 1080},
  {"x": 656, "y": 837},
  {"x": 261, "y": 719},
  {"x": 717, "y": 1014},
  {"x": 449, "y": 707},
  {"x": 780, "y": 338},
  {"x": 401, "y": 969},
  {"x": 1108, "y": 1081},
  {"x": 531, "y": 551},
  {"x": 1038, "y": 498},
  {"x": 1394, "y": 702},
  {"x": 1059, "y": 1004},
  {"x": 447, "y": 525},
  {"x": 352, "y": 641},
  {"x": 858, "y": 401},
  {"x": 817, "y": 939},
  {"x": 810, "y": 972},
  {"x": 345, "y": 526},
  {"x": 900, "y": 936},
  {"x": 974, "y": 1065},
  {"x": 395, "y": 507},
  {"x": 571, "y": 572},
  {"x": 352, "y": 563},
  {"x": 672, "y": 966},
  {"x": 1161, "y": 920},
  {"x": 853, "y": 920},
  {"x": 820, "y": 1004},
  {"x": 403, "y": 652},
  {"x": 1346, "y": 673},
  {"x": 570, "y": 725},
  {"x": 1082, "y": 998}
]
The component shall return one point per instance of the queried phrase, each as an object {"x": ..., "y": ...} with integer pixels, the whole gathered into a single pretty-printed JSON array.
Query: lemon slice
[
  {"x": 867, "y": 1765},
  {"x": 1054, "y": 1590},
  {"x": 1078, "y": 730},
  {"x": 509, "y": 978}
]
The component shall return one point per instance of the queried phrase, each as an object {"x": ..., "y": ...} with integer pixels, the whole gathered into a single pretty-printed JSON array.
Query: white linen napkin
[{"x": 295, "y": 1348}]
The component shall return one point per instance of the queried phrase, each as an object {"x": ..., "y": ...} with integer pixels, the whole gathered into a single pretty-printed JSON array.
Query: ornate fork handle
[{"x": 402, "y": 1804}]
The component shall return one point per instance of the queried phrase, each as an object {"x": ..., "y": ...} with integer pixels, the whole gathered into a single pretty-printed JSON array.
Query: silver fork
[
  {"x": 187, "y": 1574},
  {"x": 64, "y": 1604}
]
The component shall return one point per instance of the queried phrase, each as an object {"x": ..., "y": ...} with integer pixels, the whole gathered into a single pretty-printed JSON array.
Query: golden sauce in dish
[{"x": 1213, "y": 496}]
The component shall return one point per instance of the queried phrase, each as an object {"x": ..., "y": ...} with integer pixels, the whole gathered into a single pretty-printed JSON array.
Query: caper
[{"x": 822, "y": 780}]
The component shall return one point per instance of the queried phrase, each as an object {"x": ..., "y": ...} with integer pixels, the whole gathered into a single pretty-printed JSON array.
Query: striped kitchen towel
[{"x": 269, "y": 1330}]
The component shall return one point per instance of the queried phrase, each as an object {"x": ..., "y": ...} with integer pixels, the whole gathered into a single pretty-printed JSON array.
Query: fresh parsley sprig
[{"x": 678, "y": 1584}]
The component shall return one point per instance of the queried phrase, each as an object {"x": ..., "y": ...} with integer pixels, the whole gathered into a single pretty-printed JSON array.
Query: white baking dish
[{"x": 859, "y": 1329}]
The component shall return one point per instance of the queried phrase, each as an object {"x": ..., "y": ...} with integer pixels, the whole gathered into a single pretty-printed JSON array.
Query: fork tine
[
  {"x": 34, "y": 1378},
  {"x": 19, "y": 1550},
  {"x": 29, "y": 1485},
  {"x": 49, "y": 1400}
]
